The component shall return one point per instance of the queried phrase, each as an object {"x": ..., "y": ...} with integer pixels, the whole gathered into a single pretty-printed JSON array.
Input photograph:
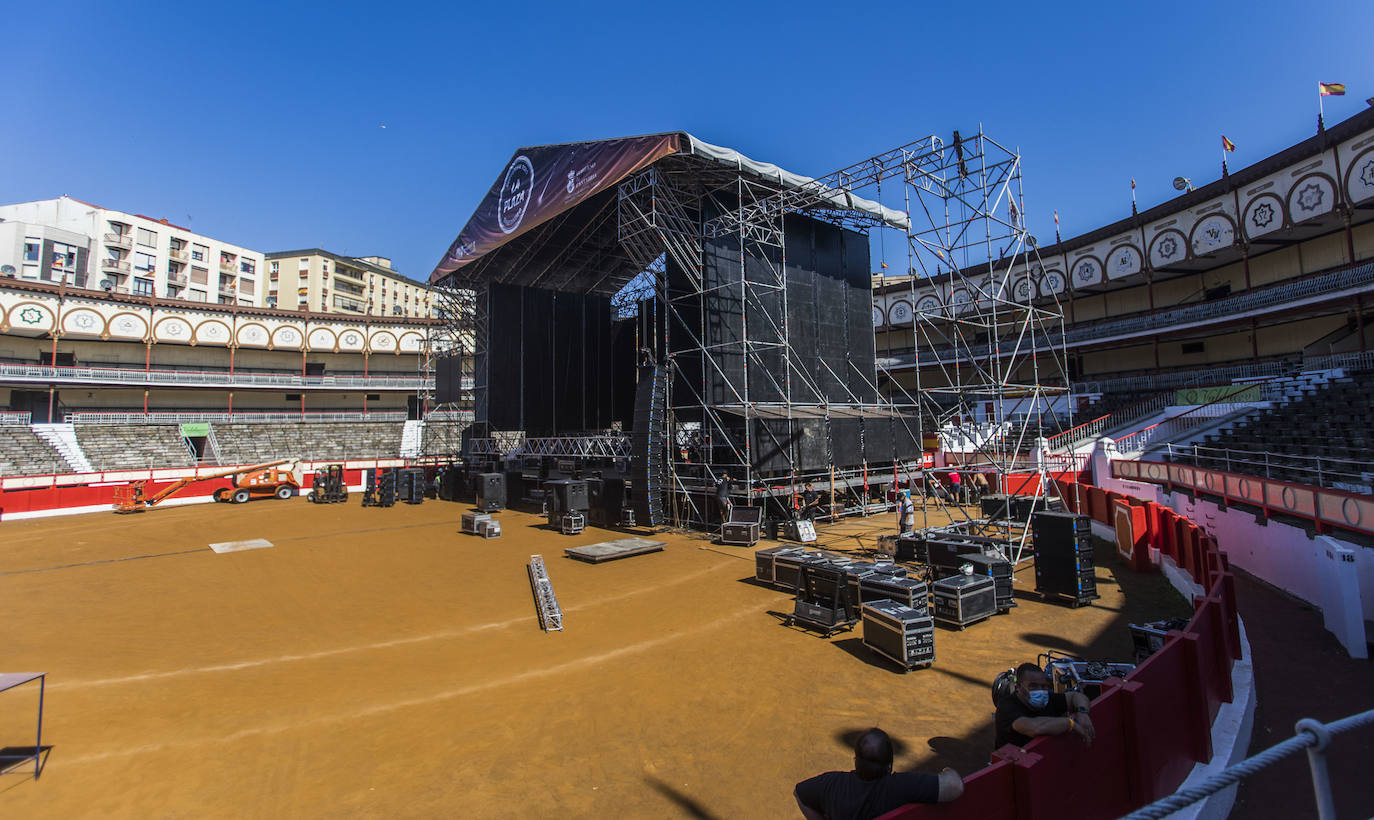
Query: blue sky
[{"x": 260, "y": 123}]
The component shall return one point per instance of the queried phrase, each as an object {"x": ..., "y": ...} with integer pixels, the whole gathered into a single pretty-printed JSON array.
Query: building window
[
  {"x": 276, "y": 267},
  {"x": 147, "y": 238},
  {"x": 63, "y": 258},
  {"x": 324, "y": 265},
  {"x": 305, "y": 263},
  {"x": 173, "y": 292},
  {"x": 145, "y": 262},
  {"x": 293, "y": 396},
  {"x": 197, "y": 296},
  {"x": 1194, "y": 347},
  {"x": 143, "y": 287},
  {"x": 247, "y": 266},
  {"x": 200, "y": 276},
  {"x": 198, "y": 253},
  {"x": 31, "y": 250}
]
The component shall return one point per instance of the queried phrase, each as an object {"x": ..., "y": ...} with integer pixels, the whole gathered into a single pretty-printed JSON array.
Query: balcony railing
[
  {"x": 100, "y": 417},
  {"x": 176, "y": 278},
  {"x": 120, "y": 240},
  {"x": 179, "y": 255},
  {"x": 1359, "y": 277},
  {"x": 121, "y": 265},
  {"x": 228, "y": 267},
  {"x": 14, "y": 418},
  {"x": 46, "y": 374}
]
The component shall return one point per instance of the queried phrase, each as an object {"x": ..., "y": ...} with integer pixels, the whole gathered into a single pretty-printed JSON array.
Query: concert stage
[{"x": 702, "y": 312}]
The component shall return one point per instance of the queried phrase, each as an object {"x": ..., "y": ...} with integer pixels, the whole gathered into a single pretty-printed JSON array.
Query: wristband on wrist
[{"x": 1070, "y": 724}]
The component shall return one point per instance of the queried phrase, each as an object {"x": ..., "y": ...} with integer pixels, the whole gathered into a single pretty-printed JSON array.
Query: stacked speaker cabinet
[
  {"x": 491, "y": 492},
  {"x": 999, "y": 570},
  {"x": 649, "y": 467},
  {"x": 565, "y": 495},
  {"x": 899, "y": 633},
  {"x": 1064, "y": 557}
]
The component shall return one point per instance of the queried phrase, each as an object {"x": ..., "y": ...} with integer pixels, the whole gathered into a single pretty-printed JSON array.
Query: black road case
[
  {"x": 964, "y": 599},
  {"x": 901, "y": 634}
]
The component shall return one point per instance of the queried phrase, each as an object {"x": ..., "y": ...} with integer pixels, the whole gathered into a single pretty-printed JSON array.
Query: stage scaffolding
[
  {"x": 459, "y": 332},
  {"x": 953, "y": 211}
]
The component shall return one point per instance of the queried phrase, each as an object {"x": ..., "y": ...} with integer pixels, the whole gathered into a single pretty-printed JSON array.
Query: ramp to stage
[{"x": 611, "y": 550}]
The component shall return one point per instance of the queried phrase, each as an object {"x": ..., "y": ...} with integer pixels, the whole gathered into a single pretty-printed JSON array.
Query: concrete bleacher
[
  {"x": 22, "y": 452},
  {"x": 140, "y": 446},
  {"x": 441, "y": 437},
  {"x": 255, "y": 442}
]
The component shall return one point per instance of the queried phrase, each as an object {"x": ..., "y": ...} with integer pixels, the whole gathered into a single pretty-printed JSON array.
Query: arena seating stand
[
  {"x": 22, "y": 452},
  {"x": 253, "y": 442},
  {"x": 121, "y": 447},
  {"x": 1331, "y": 423}
]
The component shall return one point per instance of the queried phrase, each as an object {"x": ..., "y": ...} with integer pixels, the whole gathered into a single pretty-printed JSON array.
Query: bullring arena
[
  {"x": 689, "y": 335},
  {"x": 379, "y": 663}
]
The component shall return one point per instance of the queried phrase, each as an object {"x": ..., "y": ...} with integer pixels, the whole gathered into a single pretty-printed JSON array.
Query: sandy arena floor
[{"x": 374, "y": 662}]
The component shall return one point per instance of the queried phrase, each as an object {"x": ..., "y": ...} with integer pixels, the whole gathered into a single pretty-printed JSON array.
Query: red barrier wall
[
  {"x": 1151, "y": 728},
  {"x": 67, "y": 496}
]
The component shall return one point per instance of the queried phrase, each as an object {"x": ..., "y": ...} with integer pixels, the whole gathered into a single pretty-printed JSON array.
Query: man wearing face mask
[{"x": 1031, "y": 710}]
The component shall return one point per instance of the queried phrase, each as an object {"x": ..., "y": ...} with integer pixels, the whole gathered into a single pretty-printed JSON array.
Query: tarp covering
[
  {"x": 540, "y": 182},
  {"x": 841, "y": 200}
]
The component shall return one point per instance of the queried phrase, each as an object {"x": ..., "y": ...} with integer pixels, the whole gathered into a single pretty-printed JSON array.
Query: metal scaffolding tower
[{"x": 458, "y": 333}]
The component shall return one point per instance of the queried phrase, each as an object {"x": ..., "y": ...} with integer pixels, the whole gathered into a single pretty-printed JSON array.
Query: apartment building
[
  {"x": 319, "y": 281},
  {"x": 85, "y": 246}
]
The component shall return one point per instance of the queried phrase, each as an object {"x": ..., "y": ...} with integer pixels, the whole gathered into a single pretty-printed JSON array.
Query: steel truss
[
  {"x": 977, "y": 342},
  {"x": 459, "y": 333},
  {"x": 605, "y": 446},
  {"x": 957, "y": 208}
]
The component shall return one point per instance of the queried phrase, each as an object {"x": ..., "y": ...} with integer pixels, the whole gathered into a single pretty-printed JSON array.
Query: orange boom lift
[{"x": 256, "y": 481}]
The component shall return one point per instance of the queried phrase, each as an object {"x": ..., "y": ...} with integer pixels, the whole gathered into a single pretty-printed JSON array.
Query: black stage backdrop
[{"x": 557, "y": 364}]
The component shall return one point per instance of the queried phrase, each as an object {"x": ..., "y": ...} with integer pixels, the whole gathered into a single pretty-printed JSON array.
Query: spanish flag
[
  {"x": 1227, "y": 145},
  {"x": 1331, "y": 89}
]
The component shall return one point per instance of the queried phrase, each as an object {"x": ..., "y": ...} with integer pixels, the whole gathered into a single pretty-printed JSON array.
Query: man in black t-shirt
[
  {"x": 723, "y": 497},
  {"x": 872, "y": 789},
  {"x": 811, "y": 503},
  {"x": 1031, "y": 710}
]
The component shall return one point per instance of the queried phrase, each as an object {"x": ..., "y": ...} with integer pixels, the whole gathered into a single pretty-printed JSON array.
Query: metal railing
[
  {"x": 114, "y": 264},
  {"x": 1191, "y": 378},
  {"x": 1088, "y": 431},
  {"x": 1175, "y": 425},
  {"x": 1312, "y": 737},
  {"x": 14, "y": 418},
  {"x": 1284, "y": 293},
  {"x": 247, "y": 417},
  {"x": 1352, "y": 475},
  {"x": 197, "y": 378}
]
